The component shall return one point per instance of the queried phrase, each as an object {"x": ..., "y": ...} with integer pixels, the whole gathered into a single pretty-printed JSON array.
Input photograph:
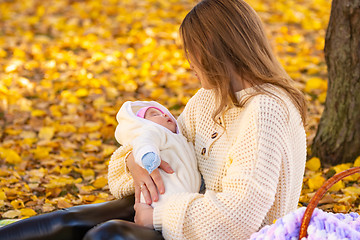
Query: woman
[{"x": 246, "y": 124}]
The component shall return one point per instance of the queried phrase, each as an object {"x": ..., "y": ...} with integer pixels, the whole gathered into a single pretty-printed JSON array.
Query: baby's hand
[{"x": 151, "y": 161}]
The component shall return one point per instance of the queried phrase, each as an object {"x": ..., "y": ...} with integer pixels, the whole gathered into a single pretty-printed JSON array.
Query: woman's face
[{"x": 199, "y": 75}]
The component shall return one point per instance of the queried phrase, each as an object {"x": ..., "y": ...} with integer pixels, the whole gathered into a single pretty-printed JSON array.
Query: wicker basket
[{"x": 319, "y": 194}]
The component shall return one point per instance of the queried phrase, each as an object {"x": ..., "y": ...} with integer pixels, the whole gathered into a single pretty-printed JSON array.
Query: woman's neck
[{"x": 239, "y": 84}]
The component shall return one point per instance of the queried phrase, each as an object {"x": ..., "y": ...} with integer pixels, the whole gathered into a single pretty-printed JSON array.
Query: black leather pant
[
  {"x": 73, "y": 223},
  {"x": 121, "y": 230}
]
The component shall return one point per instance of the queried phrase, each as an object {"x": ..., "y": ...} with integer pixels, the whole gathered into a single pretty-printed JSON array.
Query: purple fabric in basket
[{"x": 323, "y": 225}]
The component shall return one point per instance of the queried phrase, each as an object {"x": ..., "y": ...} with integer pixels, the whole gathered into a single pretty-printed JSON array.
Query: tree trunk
[{"x": 338, "y": 137}]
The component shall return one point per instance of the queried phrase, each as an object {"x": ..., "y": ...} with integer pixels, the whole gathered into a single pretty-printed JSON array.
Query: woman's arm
[
  {"x": 119, "y": 178},
  {"x": 125, "y": 176}
]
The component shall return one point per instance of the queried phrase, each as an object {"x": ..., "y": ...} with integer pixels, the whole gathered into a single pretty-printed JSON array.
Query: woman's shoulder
[
  {"x": 270, "y": 101},
  {"x": 268, "y": 95},
  {"x": 276, "y": 104}
]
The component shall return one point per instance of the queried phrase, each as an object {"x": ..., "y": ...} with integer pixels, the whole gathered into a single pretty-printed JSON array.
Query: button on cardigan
[{"x": 252, "y": 170}]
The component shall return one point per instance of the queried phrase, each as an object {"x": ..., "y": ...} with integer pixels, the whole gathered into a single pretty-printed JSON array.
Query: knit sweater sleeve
[
  {"x": 248, "y": 187},
  {"x": 119, "y": 179}
]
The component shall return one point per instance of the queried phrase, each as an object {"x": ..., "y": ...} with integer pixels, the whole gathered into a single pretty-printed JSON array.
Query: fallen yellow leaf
[
  {"x": 337, "y": 186},
  {"x": 27, "y": 212},
  {"x": 316, "y": 83},
  {"x": 316, "y": 182},
  {"x": 341, "y": 208},
  {"x": 322, "y": 97},
  {"x": 38, "y": 113},
  {"x": 48, "y": 207},
  {"x": 86, "y": 189},
  {"x": 27, "y": 134},
  {"x": 357, "y": 162},
  {"x": 41, "y": 152},
  {"x": 313, "y": 164},
  {"x": 46, "y": 133},
  {"x": 108, "y": 150},
  {"x": 351, "y": 191},
  {"x": 17, "y": 204},
  {"x": 82, "y": 92},
  {"x": 2, "y": 196},
  {"x": 88, "y": 198},
  {"x": 99, "y": 200},
  {"x": 100, "y": 182},
  {"x": 62, "y": 203},
  {"x": 4, "y": 173},
  {"x": 11, "y": 214},
  {"x": 10, "y": 156},
  {"x": 342, "y": 167},
  {"x": 88, "y": 174}
]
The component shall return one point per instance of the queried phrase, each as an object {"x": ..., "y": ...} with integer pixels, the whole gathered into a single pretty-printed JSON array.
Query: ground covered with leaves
[{"x": 67, "y": 66}]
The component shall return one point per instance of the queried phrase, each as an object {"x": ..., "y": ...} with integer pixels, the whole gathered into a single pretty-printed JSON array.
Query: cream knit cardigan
[{"x": 253, "y": 171}]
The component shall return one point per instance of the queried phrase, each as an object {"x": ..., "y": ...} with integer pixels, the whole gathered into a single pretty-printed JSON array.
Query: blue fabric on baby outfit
[{"x": 150, "y": 161}]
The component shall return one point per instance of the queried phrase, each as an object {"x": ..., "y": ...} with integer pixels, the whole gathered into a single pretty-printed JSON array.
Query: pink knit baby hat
[{"x": 141, "y": 113}]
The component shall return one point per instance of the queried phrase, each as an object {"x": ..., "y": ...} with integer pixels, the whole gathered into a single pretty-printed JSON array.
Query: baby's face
[{"x": 160, "y": 118}]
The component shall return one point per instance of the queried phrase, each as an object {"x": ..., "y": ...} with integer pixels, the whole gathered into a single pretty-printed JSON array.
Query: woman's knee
[
  {"x": 106, "y": 230},
  {"x": 121, "y": 230},
  {"x": 102, "y": 212}
]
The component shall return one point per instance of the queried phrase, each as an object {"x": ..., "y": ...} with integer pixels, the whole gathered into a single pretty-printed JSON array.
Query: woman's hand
[
  {"x": 147, "y": 184},
  {"x": 144, "y": 215}
]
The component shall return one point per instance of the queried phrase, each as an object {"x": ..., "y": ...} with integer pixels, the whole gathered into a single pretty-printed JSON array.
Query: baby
[
  {"x": 150, "y": 159},
  {"x": 153, "y": 133}
]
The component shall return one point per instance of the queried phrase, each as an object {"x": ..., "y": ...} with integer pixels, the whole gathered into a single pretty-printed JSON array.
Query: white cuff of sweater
[{"x": 157, "y": 217}]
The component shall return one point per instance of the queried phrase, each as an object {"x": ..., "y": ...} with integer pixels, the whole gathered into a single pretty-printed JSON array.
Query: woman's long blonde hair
[{"x": 225, "y": 38}]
